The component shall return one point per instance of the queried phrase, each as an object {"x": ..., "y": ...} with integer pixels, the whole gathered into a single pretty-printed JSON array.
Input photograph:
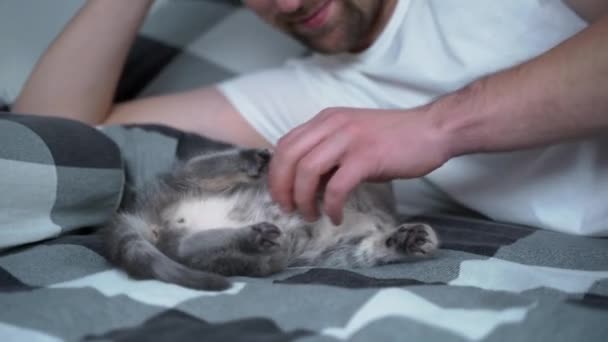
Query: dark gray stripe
[
  {"x": 8, "y": 283},
  {"x": 21, "y": 144},
  {"x": 71, "y": 143},
  {"x": 186, "y": 72},
  {"x": 174, "y": 325},
  {"x": 86, "y": 197},
  {"x": 348, "y": 279},
  {"x": 481, "y": 237},
  {"x": 147, "y": 58}
]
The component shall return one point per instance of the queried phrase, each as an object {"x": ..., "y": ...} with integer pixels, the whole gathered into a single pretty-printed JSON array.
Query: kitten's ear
[
  {"x": 263, "y": 156},
  {"x": 255, "y": 162}
]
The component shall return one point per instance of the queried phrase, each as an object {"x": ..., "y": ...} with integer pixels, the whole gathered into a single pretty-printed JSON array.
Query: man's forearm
[
  {"x": 561, "y": 95},
  {"x": 77, "y": 76}
]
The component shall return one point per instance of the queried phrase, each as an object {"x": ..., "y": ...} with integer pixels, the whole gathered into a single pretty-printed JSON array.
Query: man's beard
[{"x": 348, "y": 32}]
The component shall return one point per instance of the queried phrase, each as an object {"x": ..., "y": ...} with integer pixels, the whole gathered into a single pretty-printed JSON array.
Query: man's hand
[
  {"x": 342, "y": 147},
  {"x": 530, "y": 105}
]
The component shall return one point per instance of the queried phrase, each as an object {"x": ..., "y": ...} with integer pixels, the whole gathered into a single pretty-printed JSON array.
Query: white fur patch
[{"x": 204, "y": 214}]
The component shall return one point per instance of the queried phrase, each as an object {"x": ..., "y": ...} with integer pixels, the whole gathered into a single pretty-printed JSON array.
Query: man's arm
[
  {"x": 204, "y": 111},
  {"x": 561, "y": 95},
  {"x": 558, "y": 96},
  {"x": 77, "y": 76}
]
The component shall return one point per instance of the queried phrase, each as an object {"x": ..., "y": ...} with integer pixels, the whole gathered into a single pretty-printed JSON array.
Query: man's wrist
[{"x": 457, "y": 121}]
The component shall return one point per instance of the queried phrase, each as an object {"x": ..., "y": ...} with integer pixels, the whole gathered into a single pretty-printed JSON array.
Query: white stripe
[
  {"x": 474, "y": 324},
  {"x": 114, "y": 282},
  {"x": 11, "y": 333},
  {"x": 501, "y": 275}
]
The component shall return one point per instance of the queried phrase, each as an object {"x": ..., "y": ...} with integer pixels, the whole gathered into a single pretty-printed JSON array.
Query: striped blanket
[
  {"x": 60, "y": 180},
  {"x": 489, "y": 282}
]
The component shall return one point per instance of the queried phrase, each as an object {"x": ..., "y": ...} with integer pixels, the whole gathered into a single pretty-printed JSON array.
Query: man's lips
[{"x": 318, "y": 17}]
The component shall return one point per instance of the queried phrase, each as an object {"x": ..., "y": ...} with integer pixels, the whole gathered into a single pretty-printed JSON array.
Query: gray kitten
[{"x": 213, "y": 216}]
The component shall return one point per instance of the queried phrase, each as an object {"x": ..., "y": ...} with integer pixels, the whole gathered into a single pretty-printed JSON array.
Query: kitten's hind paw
[
  {"x": 265, "y": 238},
  {"x": 415, "y": 239}
]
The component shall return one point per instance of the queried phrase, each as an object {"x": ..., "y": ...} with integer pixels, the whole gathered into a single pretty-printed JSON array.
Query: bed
[{"x": 489, "y": 282}]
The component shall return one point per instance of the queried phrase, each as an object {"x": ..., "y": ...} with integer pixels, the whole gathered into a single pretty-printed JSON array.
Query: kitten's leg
[
  {"x": 376, "y": 247},
  {"x": 256, "y": 250},
  {"x": 261, "y": 251}
]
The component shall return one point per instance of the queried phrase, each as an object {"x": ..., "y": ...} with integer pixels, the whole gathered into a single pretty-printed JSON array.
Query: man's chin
[
  {"x": 335, "y": 39},
  {"x": 327, "y": 50},
  {"x": 328, "y": 45}
]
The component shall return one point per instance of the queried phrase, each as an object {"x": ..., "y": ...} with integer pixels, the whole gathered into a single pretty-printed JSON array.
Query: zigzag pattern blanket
[{"x": 489, "y": 282}]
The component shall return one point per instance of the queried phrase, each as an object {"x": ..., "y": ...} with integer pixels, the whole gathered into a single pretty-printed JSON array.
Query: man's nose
[{"x": 288, "y": 6}]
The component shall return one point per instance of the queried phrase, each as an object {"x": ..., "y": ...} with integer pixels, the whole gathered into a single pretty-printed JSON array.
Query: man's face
[{"x": 328, "y": 26}]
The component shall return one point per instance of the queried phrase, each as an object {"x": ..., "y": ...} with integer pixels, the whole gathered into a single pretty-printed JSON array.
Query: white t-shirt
[{"x": 430, "y": 48}]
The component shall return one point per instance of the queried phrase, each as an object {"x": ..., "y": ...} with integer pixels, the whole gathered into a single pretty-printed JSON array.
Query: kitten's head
[{"x": 225, "y": 169}]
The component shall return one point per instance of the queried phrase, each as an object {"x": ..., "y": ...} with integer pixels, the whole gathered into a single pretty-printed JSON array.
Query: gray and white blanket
[
  {"x": 489, "y": 282},
  {"x": 60, "y": 180}
]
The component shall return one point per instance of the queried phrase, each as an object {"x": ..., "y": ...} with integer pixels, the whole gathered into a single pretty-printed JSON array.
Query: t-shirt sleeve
[{"x": 275, "y": 101}]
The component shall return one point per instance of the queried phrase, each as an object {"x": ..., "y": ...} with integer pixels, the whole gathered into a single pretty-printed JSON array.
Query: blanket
[{"x": 489, "y": 282}]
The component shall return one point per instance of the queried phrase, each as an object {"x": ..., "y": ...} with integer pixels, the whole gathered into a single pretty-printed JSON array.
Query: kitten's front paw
[
  {"x": 265, "y": 237},
  {"x": 416, "y": 239}
]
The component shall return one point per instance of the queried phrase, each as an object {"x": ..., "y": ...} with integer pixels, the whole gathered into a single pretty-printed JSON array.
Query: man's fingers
[
  {"x": 351, "y": 173},
  {"x": 290, "y": 150},
  {"x": 279, "y": 170},
  {"x": 319, "y": 161}
]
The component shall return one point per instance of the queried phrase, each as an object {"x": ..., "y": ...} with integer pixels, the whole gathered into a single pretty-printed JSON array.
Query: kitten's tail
[{"x": 128, "y": 243}]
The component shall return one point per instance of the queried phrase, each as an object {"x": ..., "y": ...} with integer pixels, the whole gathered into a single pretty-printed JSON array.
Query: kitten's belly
[
  {"x": 203, "y": 214},
  {"x": 199, "y": 214}
]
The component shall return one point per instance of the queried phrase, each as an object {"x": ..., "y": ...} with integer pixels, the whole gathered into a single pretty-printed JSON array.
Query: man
[{"x": 504, "y": 76}]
